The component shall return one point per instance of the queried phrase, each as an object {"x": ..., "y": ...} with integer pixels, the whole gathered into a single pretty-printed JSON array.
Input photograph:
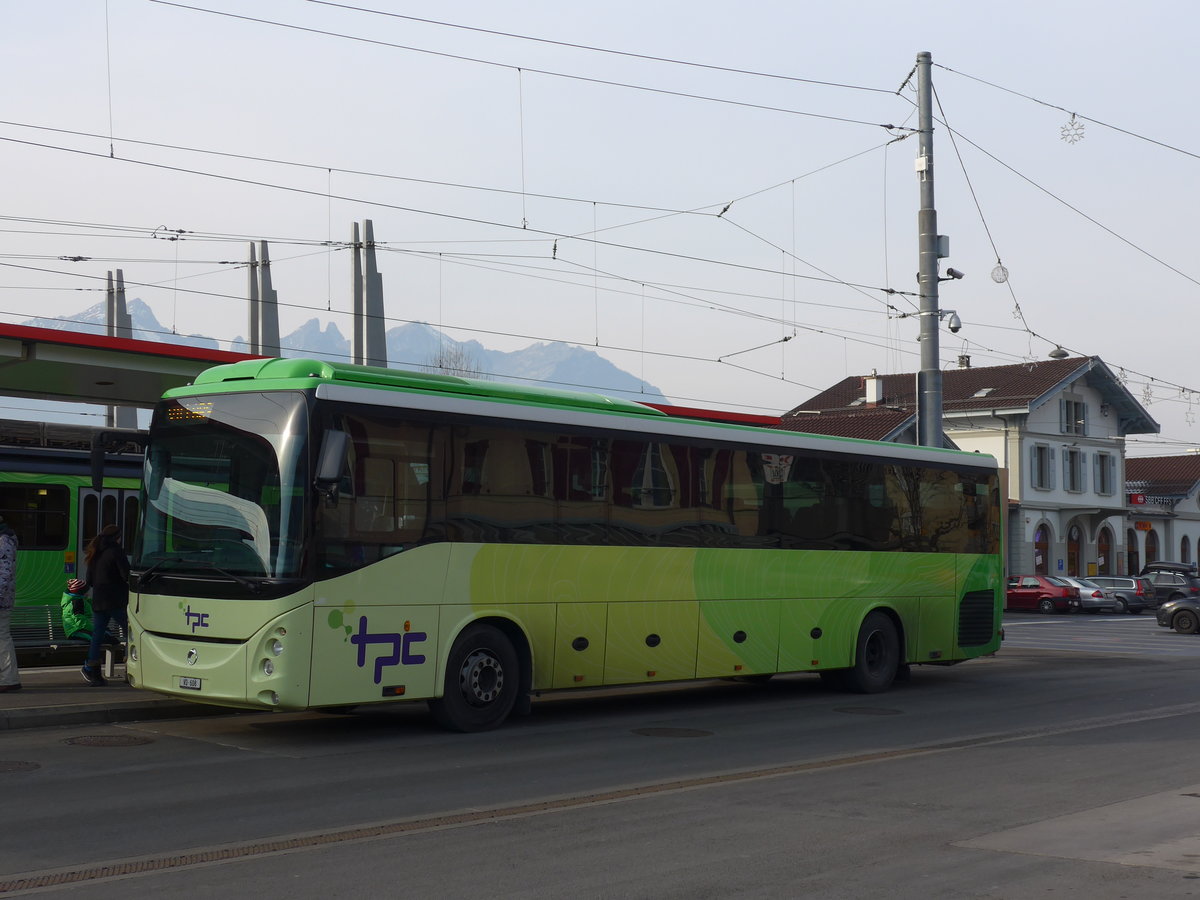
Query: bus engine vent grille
[{"x": 976, "y": 618}]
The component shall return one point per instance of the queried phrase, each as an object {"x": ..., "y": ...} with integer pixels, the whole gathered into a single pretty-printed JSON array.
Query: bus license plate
[{"x": 191, "y": 683}]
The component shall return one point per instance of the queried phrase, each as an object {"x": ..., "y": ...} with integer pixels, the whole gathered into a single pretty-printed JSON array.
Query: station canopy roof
[{"x": 48, "y": 364}]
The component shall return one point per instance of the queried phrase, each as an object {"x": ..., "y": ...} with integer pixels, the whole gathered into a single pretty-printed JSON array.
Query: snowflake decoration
[
  {"x": 1189, "y": 417},
  {"x": 1122, "y": 376},
  {"x": 1072, "y": 132},
  {"x": 1147, "y": 395}
]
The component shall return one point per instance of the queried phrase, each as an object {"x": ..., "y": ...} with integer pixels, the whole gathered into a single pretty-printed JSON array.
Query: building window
[
  {"x": 1104, "y": 542},
  {"x": 1074, "y": 551},
  {"x": 1185, "y": 550},
  {"x": 1106, "y": 473},
  {"x": 1152, "y": 546},
  {"x": 1073, "y": 478},
  {"x": 1041, "y": 550},
  {"x": 1074, "y": 416},
  {"x": 1041, "y": 466}
]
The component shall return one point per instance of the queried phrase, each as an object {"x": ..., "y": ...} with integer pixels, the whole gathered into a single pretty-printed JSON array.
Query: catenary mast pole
[{"x": 929, "y": 378}]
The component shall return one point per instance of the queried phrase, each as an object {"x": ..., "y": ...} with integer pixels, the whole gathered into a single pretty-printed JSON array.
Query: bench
[{"x": 40, "y": 628}]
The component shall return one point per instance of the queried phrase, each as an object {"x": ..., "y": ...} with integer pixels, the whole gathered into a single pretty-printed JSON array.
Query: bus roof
[
  {"x": 336, "y": 379},
  {"x": 306, "y": 373}
]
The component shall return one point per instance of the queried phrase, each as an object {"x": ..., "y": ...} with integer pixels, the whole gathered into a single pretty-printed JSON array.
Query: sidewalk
[{"x": 59, "y": 696}]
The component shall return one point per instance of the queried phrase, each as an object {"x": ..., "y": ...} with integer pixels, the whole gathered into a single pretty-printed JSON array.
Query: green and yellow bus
[{"x": 319, "y": 535}]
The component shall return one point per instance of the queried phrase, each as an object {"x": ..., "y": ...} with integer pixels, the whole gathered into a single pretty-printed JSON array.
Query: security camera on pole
[{"x": 931, "y": 247}]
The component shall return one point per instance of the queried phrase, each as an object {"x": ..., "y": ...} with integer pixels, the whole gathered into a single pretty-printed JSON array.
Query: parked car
[
  {"x": 1182, "y": 614},
  {"x": 1133, "y": 593},
  {"x": 1041, "y": 592},
  {"x": 1172, "y": 580},
  {"x": 1092, "y": 597}
]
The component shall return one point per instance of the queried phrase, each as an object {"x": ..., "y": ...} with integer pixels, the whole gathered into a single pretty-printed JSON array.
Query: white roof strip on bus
[{"x": 665, "y": 426}]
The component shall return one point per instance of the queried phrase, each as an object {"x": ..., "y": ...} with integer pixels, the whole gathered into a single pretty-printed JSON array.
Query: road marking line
[{"x": 465, "y": 818}]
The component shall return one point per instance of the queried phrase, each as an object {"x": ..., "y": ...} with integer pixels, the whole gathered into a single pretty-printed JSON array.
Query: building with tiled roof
[
  {"x": 1164, "y": 506},
  {"x": 1058, "y": 427},
  {"x": 882, "y": 424}
]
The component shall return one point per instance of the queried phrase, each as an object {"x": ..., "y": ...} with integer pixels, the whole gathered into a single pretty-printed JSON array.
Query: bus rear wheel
[
  {"x": 482, "y": 680},
  {"x": 876, "y": 658}
]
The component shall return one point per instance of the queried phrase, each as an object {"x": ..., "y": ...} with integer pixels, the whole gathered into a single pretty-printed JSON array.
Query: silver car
[{"x": 1092, "y": 597}]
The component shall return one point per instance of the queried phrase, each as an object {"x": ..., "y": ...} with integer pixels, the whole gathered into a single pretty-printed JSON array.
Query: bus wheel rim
[{"x": 481, "y": 678}]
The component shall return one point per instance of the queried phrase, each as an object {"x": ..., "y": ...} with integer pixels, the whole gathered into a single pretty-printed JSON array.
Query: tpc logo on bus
[
  {"x": 194, "y": 620},
  {"x": 400, "y": 644}
]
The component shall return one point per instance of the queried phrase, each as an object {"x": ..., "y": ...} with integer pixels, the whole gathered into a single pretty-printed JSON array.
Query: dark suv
[
  {"x": 1132, "y": 592},
  {"x": 1173, "y": 581}
]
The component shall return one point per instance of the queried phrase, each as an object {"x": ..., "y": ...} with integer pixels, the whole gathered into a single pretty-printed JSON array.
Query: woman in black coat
[{"x": 108, "y": 580}]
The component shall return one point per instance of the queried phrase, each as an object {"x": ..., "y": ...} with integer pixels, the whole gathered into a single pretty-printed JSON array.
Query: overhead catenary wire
[
  {"x": 1109, "y": 125},
  {"x": 1148, "y": 380},
  {"x": 268, "y": 185},
  {"x": 849, "y": 335},
  {"x": 1078, "y": 211},
  {"x": 239, "y": 298},
  {"x": 979, "y": 210},
  {"x": 390, "y": 176},
  {"x": 793, "y": 282},
  {"x": 487, "y": 62},
  {"x": 549, "y": 235},
  {"x": 608, "y": 50}
]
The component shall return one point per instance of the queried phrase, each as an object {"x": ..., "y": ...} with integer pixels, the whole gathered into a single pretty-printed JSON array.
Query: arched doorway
[
  {"x": 1074, "y": 550},
  {"x": 1152, "y": 546},
  {"x": 1104, "y": 555},
  {"x": 1133, "y": 563},
  {"x": 1041, "y": 550},
  {"x": 1185, "y": 549}
]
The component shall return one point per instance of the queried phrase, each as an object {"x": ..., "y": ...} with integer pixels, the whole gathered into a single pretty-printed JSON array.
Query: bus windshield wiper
[
  {"x": 252, "y": 586},
  {"x": 147, "y": 576}
]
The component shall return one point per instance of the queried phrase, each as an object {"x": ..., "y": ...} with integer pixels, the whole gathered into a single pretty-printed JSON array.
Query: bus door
[{"x": 111, "y": 506}]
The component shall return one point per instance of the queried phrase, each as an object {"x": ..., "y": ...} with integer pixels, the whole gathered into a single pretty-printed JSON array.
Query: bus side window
[
  {"x": 375, "y": 499},
  {"x": 743, "y": 494}
]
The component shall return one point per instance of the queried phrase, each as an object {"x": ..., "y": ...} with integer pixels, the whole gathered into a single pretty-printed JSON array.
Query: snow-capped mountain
[{"x": 412, "y": 346}]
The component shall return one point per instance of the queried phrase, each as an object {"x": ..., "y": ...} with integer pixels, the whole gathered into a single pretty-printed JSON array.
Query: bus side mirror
[{"x": 330, "y": 464}]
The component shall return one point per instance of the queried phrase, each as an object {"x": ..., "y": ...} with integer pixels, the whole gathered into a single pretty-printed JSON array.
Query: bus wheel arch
[
  {"x": 879, "y": 658},
  {"x": 487, "y": 677}
]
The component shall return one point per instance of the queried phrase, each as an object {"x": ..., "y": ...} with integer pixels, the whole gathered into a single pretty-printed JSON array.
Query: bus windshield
[{"x": 225, "y": 493}]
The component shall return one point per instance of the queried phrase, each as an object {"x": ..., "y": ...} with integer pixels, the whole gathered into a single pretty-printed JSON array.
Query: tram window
[{"x": 38, "y": 513}]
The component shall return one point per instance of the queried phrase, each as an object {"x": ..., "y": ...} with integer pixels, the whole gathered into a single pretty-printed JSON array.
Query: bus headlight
[
  {"x": 268, "y": 667},
  {"x": 276, "y": 647},
  {"x": 133, "y": 654}
]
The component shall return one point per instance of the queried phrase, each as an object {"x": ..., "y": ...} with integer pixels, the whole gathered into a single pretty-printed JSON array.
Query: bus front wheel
[
  {"x": 876, "y": 658},
  {"x": 482, "y": 680}
]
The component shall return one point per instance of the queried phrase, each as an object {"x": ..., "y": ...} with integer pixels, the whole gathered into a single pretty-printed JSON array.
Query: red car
[{"x": 1044, "y": 593}]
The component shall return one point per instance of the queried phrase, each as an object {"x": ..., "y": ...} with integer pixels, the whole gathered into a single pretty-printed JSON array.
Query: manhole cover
[
  {"x": 672, "y": 732},
  {"x": 17, "y": 765},
  {"x": 868, "y": 711},
  {"x": 109, "y": 740}
]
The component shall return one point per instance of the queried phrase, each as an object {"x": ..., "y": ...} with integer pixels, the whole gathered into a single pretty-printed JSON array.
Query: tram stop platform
[{"x": 58, "y": 695}]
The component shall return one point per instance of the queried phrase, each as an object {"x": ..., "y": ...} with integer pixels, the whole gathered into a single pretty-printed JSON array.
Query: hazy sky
[{"x": 526, "y": 190}]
